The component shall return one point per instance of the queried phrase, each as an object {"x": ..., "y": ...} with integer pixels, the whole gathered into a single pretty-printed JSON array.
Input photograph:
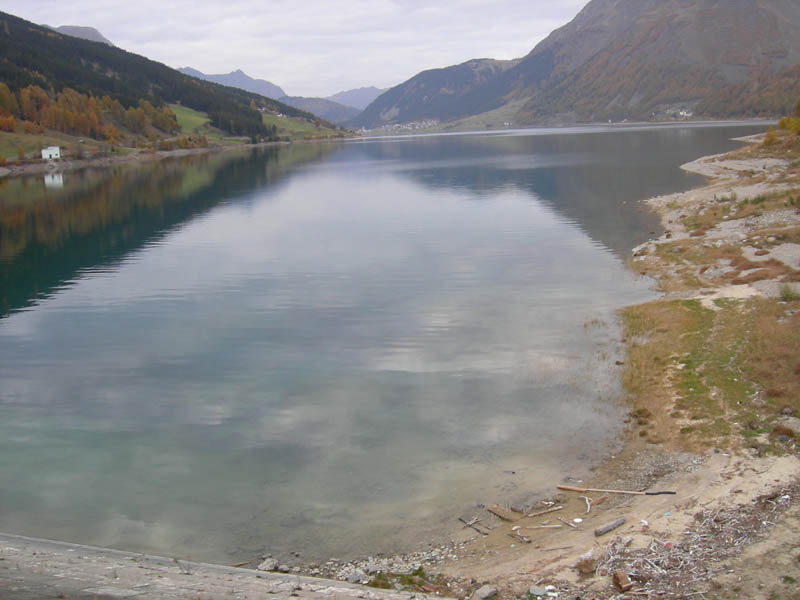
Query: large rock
[
  {"x": 483, "y": 593},
  {"x": 269, "y": 564}
]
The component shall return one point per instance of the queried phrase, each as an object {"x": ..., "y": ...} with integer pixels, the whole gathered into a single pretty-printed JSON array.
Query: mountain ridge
[
  {"x": 358, "y": 98},
  {"x": 83, "y": 32},
  {"x": 239, "y": 79},
  {"x": 623, "y": 59},
  {"x": 34, "y": 55}
]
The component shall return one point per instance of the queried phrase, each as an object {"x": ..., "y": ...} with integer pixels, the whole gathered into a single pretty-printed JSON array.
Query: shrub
[{"x": 770, "y": 138}]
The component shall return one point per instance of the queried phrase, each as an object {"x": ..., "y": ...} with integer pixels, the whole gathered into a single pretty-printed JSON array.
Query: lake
[{"x": 329, "y": 349}]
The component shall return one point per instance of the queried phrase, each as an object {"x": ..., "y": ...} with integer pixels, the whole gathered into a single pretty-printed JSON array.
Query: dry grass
[
  {"x": 698, "y": 378},
  {"x": 772, "y": 358},
  {"x": 699, "y": 220}
]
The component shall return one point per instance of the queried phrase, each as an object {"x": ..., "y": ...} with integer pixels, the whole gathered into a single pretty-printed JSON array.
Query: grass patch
[
  {"x": 293, "y": 128},
  {"x": 772, "y": 358},
  {"x": 707, "y": 217},
  {"x": 729, "y": 376},
  {"x": 32, "y": 144},
  {"x": 788, "y": 294},
  {"x": 194, "y": 122},
  {"x": 189, "y": 120},
  {"x": 416, "y": 581},
  {"x": 688, "y": 375}
]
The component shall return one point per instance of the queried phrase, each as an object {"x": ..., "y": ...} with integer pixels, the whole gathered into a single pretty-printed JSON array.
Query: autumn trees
[{"x": 80, "y": 114}]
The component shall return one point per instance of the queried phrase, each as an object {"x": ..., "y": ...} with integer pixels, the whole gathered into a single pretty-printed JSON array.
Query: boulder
[
  {"x": 269, "y": 564},
  {"x": 483, "y": 593}
]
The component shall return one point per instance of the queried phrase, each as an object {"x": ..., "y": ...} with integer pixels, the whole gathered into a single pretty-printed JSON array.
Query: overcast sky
[{"x": 312, "y": 47}]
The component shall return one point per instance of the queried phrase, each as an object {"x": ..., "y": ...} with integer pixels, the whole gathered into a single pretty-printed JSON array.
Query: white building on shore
[{"x": 51, "y": 152}]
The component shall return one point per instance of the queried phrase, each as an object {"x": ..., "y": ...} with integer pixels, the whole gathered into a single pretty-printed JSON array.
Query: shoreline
[
  {"x": 659, "y": 448},
  {"x": 40, "y": 167},
  {"x": 722, "y": 476},
  {"x": 722, "y": 473}
]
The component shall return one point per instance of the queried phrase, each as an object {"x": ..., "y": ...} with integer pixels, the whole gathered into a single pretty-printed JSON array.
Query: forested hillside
[{"x": 37, "y": 56}]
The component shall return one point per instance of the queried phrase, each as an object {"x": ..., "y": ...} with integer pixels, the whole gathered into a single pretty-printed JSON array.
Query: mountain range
[
  {"x": 339, "y": 108},
  {"x": 622, "y": 59}
]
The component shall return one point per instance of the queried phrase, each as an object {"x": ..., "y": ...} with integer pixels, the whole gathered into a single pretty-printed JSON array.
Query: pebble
[
  {"x": 537, "y": 591},
  {"x": 357, "y": 576}
]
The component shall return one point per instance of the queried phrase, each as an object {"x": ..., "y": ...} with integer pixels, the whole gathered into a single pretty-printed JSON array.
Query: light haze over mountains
[{"x": 339, "y": 108}]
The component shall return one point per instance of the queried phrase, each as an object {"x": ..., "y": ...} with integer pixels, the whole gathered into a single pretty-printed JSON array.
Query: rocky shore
[{"x": 711, "y": 419}]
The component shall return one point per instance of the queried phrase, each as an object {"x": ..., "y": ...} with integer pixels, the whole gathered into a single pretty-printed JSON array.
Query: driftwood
[
  {"x": 544, "y": 512},
  {"x": 473, "y": 524},
  {"x": 520, "y": 538},
  {"x": 609, "y": 527},
  {"x": 570, "y": 488},
  {"x": 567, "y": 523},
  {"x": 243, "y": 563},
  {"x": 545, "y": 527},
  {"x": 501, "y": 512}
]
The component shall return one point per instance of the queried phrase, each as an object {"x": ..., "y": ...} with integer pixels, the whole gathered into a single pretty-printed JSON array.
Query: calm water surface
[{"x": 329, "y": 349}]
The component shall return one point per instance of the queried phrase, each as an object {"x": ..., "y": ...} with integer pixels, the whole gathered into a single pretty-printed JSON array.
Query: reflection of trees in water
[{"x": 101, "y": 215}]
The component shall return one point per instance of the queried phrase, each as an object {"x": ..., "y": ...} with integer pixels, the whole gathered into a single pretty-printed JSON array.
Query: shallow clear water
[{"x": 326, "y": 349}]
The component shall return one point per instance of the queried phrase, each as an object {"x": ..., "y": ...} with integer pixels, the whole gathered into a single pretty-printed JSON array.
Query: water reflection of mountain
[
  {"x": 592, "y": 179},
  {"x": 48, "y": 236}
]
